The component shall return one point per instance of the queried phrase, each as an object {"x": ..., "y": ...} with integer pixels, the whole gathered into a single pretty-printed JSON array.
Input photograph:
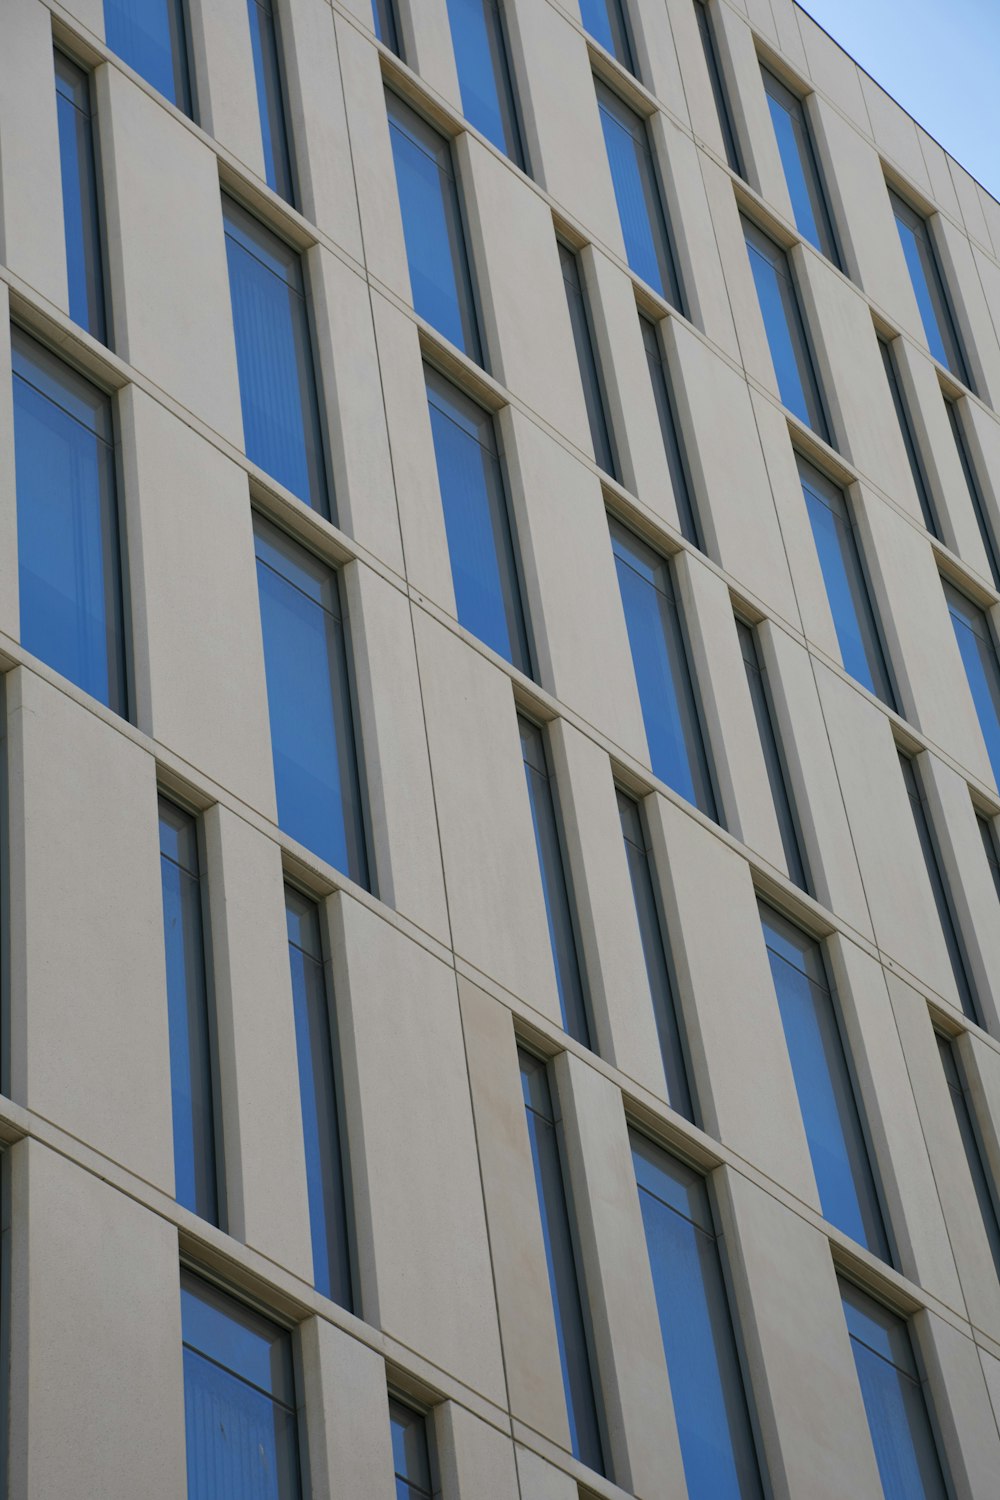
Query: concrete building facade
[{"x": 722, "y": 393}]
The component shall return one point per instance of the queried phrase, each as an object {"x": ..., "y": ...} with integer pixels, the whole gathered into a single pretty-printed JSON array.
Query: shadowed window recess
[
  {"x": 591, "y": 374},
  {"x": 412, "y": 1453},
  {"x": 774, "y": 758}
]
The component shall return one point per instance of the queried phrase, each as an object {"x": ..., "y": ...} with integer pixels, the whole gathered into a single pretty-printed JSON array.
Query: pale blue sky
[{"x": 940, "y": 59}]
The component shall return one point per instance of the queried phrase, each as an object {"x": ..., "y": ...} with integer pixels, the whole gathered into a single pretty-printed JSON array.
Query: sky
[{"x": 940, "y": 59}]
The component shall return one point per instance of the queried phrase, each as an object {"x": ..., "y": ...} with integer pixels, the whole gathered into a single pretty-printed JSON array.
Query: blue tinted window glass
[
  {"x": 773, "y": 758},
  {"x": 564, "y": 1284},
  {"x": 846, "y": 589},
  {"x": 480, "y": 545},
  {"x": 69, "y": 559},
  {"x": 640, "y": 208},
  {"x": 718, "y": 90},
  {"x": 971, "y": 1143},
  {"x": 281, "y": 422},
  {"x": 150, "y": 35},
  {"x": 594, "y": 394},
  {"x": 972, "y": 485},
  {"x": 907, "y": 1459},
  {"x": 270, "y": 97},
  {"x": 925, "y": 275},
  {"x": 847, "y": 1192},
  {"x": 239, "y": 1400},
  {"x": 384, "y": 21},
  {"x": 432, "y": 228},
  {"x": 555, "y": 887},
  {"x": 651, "y": 933},
  {"x": 477, "y": 34},
  {"x": 786, "y": 336},
  {"x": 979, "y": 657},
  {"x": 709, "y": 1401},
  {"x": 81, "y": 219},
  {"x": 669, "y": 710},
  {"x": 909, "y": 440},
  {"x": 676, "y": 461},
  {"x": 191, "y": 1050},
  {"x": 410, "y": 1453},
  {"x": 319, "y": 1095},
  {"x": 605, "y": 20},
  {"x": 788, "y": 116},
  {"x": 309, "y": 701}
]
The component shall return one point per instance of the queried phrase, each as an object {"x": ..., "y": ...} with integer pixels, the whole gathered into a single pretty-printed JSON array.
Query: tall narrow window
[
  {"x": 411, "y": 1452},
  {"x": 637, "y": 192},
  {"x": 386, "y": 25},
  {"x": 979, "y": 657},
  {"x": 662, "y": 674},
  {"x": 654, "y": 951},
  {"x": 192, "y": 1042},
  {"x": 847, "y": 1191},
  {"x": 987, "y": 832},
  {"x": 563, "y": 935},
  {"x": 932, "y": 299},
  {"x": 972, "y": 485},
  {"x": 240, "y": 1409},
  {"x": 798, "y": 158},
  {"x": 676, "y": 460},
  {"x": 607, "y": 23},
  {"x": 722, "y": 109},
  {"x": 774, "y": 760},
  {"x": 481, "y": 57},
  {"x": 710, "y": 1404},
  {"x": 887, "y": 351},
  {"x": 281, "y": 416},
  {"x": 265, "y": 40},
  {"x": 68, "y": 550},
  {"x": 594, "y": 393},
  {"x": 786, "y": 334},
  {"x": 316, "y": 774},
  {"x": 151, "y": 36},
  {"x": 320, "y": 1096},
  {"x": 846, "y": 586},
  {"x": 935, "y": 874},
  {"x": 965, "y": 1119},
  {"x": 477, "y": 521},
  {"x": 440, "y": 279},
  {"x": 898, "y": 1420},
  {"x": 565, "y": 1280},
  {"x": 81, "y": 212}
]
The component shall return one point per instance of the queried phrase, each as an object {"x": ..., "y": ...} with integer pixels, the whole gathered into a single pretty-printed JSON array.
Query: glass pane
[
  {"x": 908, "y": 1464},
  {"x": 935, "y": 312},
  {"x": 705, "y": 1381},
  {"x": 191, "y": 1053},
  {"x": 477, "y": 522},
  {"x": 477, "y": 35},
  {"x": 432, "y": 228},
  {"x": 673, "y": 731},
  {"x": 69, "y": 559},
  {"x": 989, "y": 838},
  {"x": 773, "y": 759},
  {"x": 571, "y": 1332},
  {"x": 239, "y": 1400},
  {"x": 718, "y": 91},
  {"x": 676, "y": 462},
  {"x": 590, "y": 372},
  {"x": 971, "y": 1144},
  {"x": 640, "y": 209},
  {"x": 786, "y": 337},
  {"x": 150, "y": 36},
  {"x": 384, "y": 21},
  {"x": 320, "y": 1099},
  {"x": 605, "y": 20},
  {"x": 975, "y": 643},
  {"x": 410, "y": 1455},
  {"x": 909, "y": 441},
  {"x": 651, "y": 933},
  {"x": 847, "y": 1191},
  {"x": 270, "y": 97},
  {"x": 309, "y": 701},
  {"x": 846, "y": 589},
  {"x": 975, "y": 493},
  {"x": 281, "y": 421},
  {"x": 798, "y": 159},
  {"x": 81, "y": 221},
  {"x": 558, "y": 906}
]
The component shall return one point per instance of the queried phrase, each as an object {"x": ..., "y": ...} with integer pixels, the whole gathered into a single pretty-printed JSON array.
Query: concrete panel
[
  {"x": 938, "y": 170},
  {"x": 748, "y": 102},
  {"x": 960, "y": 264},
  {"x": 541, "y": 1480},
  {"x": 970, "y": 202},
  {"x": 265, "y": 1171},
  {"x": 9, "y": 584},
  {"x": 484, "y": 821},
  {"x": 527, "y": 1325},
  {"x": 695, "y": 85},
  {"x": 991, "y": 213},
  {"x": 801, "y": 1371},
  {"x": 833, "y": 71},
  {"x": 786, "y": 24},
  {"x": 88, "y": 13},
  {"x": 427, "y": 46},
  {"x": 988, "y": 295},
  {"x": 166, "y": 255},
  {"x": 345, "y": 1396},
  {"x": 473, "y": 1457},
  {"x": 224, "y": 79},
  {"x": 895, "y": 134},
  {"x": 198, "y": 659},
  {"x": 961, "y": 1402},
  {"x": 401, "y": 1033},
  {"x": 397, "y": 772},
  {"x": 658, "y": 64},
  {"x": 751, "y": 339},
  {"x": 635, "y": 1387},
  {"x": 32, "y": 238},
  {"x": 91, "y": 1271},
  {"x": 90, "y": 989}
]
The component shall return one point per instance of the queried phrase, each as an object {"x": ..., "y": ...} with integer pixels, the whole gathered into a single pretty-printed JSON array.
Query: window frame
[
  {"x": 776, "y": 256},
  {"x": 946, "y": 325},
  {"x": 779, "y": 94},
  {"x": 102, "y": 282},
  {"x": 774, "y": 755}
]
